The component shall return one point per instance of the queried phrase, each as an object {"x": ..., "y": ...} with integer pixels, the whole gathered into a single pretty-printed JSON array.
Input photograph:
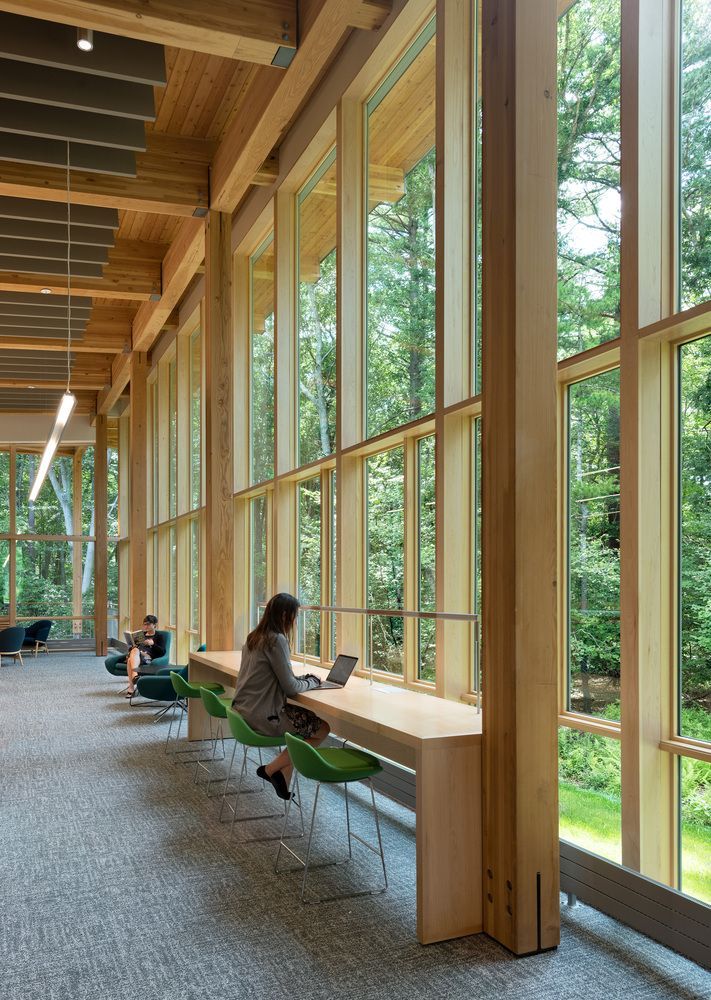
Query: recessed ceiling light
[
  {"x": 85, "y": 39},
  {"x": 46, "y": 291},
  {"x": 30, "y": 387}
]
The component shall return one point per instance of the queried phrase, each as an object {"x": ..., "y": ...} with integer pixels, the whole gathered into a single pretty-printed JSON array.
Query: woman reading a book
[{"x": 148, "y": 648}]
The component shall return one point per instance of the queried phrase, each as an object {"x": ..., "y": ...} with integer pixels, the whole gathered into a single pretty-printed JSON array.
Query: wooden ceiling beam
[
  {"x": 120, "y": 376},
  {"x": 77, "y": 382},
  {"x": 252, "y": 30},
  {"x": 116, "y": 283},
  {"x": 171, "y": 179},
  {"x": 251, "y": 138},
  {"x": 94, "y": 344}
]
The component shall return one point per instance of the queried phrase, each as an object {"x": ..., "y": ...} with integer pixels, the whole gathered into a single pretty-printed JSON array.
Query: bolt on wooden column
[
  {"x": 521, "y": 858},
  {"x": 219, "y": 433},
  {"x": 138, "y": 487}
]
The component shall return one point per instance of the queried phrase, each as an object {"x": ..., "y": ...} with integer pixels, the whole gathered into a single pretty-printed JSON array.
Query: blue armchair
[
  {"x": 36, "y": 635},
  {"x": 11, "y": 640},
  {"x": 115, "y": 662}
]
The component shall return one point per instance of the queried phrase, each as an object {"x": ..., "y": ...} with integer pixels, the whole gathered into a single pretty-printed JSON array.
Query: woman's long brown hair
[{"x": 278, "y": 619}]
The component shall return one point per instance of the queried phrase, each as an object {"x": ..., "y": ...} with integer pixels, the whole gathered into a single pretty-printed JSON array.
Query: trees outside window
[
  {"x": 385, "y": 506},
  {"x": 261, "y": 383}
]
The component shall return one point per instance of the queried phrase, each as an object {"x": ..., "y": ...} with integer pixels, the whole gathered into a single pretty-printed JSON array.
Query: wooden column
[
  {"x": 520, "y": 762},
  {"x": 101, "y": 549},
  {"x": 138, "y": 484},
  {"x": 647, "y": 655},
  {"x": 219, "y": 434}
]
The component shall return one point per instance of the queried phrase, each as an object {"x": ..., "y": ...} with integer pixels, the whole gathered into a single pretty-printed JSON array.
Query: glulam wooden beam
[
  {"x": 521, "y": 862},
  {"x": 250, "y": 139},
  {"x": 218, "y": 336},
  {"x": 120, "y": 377},
  {"x": 252, "y": 31}
]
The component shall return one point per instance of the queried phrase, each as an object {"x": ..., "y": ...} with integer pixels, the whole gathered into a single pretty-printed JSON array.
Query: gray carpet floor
[{"x": 119, "y": 883}]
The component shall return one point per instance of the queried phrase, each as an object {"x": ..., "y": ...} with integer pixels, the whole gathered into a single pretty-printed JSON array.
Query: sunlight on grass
[
  {"x": 590, "y": 820},
  {"x": 696, "y": 862}
]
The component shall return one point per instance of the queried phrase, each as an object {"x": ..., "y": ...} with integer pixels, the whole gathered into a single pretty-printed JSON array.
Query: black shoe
[{"x": 277, "y": 781}]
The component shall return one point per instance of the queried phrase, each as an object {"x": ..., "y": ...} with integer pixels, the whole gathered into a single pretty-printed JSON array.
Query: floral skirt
[{"x": 303, "y": 722}]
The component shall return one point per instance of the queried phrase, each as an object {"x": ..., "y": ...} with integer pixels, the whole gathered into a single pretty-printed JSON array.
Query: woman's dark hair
[
  {"x": 278, "y": 619},
  {"x": 151, "y": 619}
]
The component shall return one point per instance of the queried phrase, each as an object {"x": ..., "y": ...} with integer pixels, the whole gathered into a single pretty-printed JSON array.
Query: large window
[
  {"x": 594, "y": 545},
  {"x": 695, "y": 822},
  {"x": 317, "y": 313},
  {"x": 589, "y": 791},
  {"x": 385, "y": 506},
  {"x": 695, "y": 539},
  {"x": 309, "y": 564},
  {"x": 695, "y": 154},
  {"x": 426, "y": 526},
  {"x": 400, "y": 346},
  {"x": 258, "y": 563},
  {"x": 588, "y": 174},
  {"x": 172, "y": 440},
  {"x": 195, "y": 418},
  {"x": 261, "y": 272}
]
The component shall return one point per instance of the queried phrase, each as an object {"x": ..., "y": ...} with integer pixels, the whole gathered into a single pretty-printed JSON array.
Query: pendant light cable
[{"x": 69, "y": 272}]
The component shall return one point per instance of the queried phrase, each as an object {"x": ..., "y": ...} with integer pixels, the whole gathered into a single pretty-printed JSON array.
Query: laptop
[{"x": 340, "y": 672}]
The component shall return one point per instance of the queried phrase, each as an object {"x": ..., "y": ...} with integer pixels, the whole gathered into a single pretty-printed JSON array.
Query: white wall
[{"x": 34, "y": 428}]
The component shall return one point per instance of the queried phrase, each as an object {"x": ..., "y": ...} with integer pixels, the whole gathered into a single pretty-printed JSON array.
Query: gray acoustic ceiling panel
[
  {"x": 33, "y": 210},
  {"x": 24, "y": 324},
  {"x": 34, "y": 304},
  {"x": 29, "y": 400},
  {"x": 53, "y": 251},
  {"x": 53, "y": 153},
  {"x": 28, "y": 265},
  {"x": 45, "y": 122},
  {"x": 23, "y": 336},
  {"x": 56, "y": 232},
  {"x": 42, "y": 43}
]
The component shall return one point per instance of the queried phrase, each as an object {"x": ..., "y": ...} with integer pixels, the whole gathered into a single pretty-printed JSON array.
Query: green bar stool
[
  {"x": 184, "y": 691},
  {"x": 246, "y": 737},
  {"x": 332, "y": 766},
  {"x": 216, "y": 708}
]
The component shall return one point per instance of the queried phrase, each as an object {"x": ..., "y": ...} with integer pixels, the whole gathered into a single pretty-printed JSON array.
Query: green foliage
[
  {"x": 695, "y": 172},
  {"x": 385, "y": 551},
  {"x": 317, "y": 364},
  {"x": 309, "y": 563},
  {"x": 588, "y": 175},
  {"x": 401, "y": 304}
]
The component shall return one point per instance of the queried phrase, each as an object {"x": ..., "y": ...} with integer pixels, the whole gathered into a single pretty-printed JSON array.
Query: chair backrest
[
  {"x": 166, "y": 639},
  {"x": 41, "y": 629},
  {"x": 304, "y": 757},
  {"x": 31, "y": 630},
  {"x": 181, "y": 686},
  {"x": 213, "y": 705},
  {"x": 201, "y": 649},
  {"x": 11, "y": 639}
]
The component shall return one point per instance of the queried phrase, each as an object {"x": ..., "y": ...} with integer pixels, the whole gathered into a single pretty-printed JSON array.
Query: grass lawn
[{"x": 592, "y": 821}]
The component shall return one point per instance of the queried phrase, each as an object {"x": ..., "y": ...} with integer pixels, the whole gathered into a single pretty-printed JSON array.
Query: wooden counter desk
[{"x": 441, "y": 741}]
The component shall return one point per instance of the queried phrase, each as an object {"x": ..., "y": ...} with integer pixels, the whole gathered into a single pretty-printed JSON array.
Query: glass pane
[
  {"x": 696, "y": 828},
  {"x": 588, "y": 175},
  {"x": 695, "y": 143},
  {"x": 87, "y": 492},
  {"x": 385, "y": 558},
  {"x": 258, "y": 562},
  {"x": 261, "y": 269},
  {"x": 334, "y": 561},
  {"x": 426, "y": 557},
  {"x": 309, "y": 564},
  {"x": 4, "y": 491},
  {"x": 594, "y": 545},
  {"x": 87, "y": 578},
  {"x": 4, "y": 579},
  {"x": 155, "y": 416},
  {"x": 173, "y": 574},
  {"x": 113, "y": 580},
  {"x": 112, "y": 491},
  {"x": 400, "y": 364},
  {"x": 195, "y": 574},
  {"x": 695, "y": 538},
  {"x": 172, "y": 440},
  {"x": 44, "y": 579},
  {"x": 476, "y": 567},
  {"x": 590, "y": 811},
  {"x": 52, "y": 512},
  {"x": 195, "y": 417},
  {"x": 317, "y": 314}
]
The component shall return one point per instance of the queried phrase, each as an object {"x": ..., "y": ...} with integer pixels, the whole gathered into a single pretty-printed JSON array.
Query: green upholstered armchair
[{"x": 115, "y": 662}]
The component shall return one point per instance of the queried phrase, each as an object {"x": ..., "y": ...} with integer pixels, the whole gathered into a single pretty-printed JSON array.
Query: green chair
[
  {"x": 184, "y": 691},
  {"x": 216, "y": 708},
  {"x": 247, "y": 738},
  {"x": 337, "y": 765}
]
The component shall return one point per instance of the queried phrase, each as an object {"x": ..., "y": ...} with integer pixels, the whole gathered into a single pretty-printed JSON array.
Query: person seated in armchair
[{"x": 141, "y": 656}]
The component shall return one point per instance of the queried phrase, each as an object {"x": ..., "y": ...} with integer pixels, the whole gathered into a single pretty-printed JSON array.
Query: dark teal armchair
[{"x": 115, "y": 662}]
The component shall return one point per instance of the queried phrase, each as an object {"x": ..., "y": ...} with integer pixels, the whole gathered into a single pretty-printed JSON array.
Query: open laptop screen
[{"x": 342, "y": 668}]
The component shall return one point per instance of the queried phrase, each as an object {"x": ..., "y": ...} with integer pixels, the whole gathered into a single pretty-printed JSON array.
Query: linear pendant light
[{"x": 68, "y": 400}]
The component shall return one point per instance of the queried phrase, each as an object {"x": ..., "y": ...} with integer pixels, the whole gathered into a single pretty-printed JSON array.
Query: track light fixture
[{"x": 85, "y": 39}]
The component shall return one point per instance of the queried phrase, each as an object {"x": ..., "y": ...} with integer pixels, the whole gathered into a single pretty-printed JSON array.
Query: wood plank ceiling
[{"x": 142, "y": 117}]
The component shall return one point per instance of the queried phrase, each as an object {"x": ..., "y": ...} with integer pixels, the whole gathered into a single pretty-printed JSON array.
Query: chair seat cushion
[{"x": 346, "y": 764}]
